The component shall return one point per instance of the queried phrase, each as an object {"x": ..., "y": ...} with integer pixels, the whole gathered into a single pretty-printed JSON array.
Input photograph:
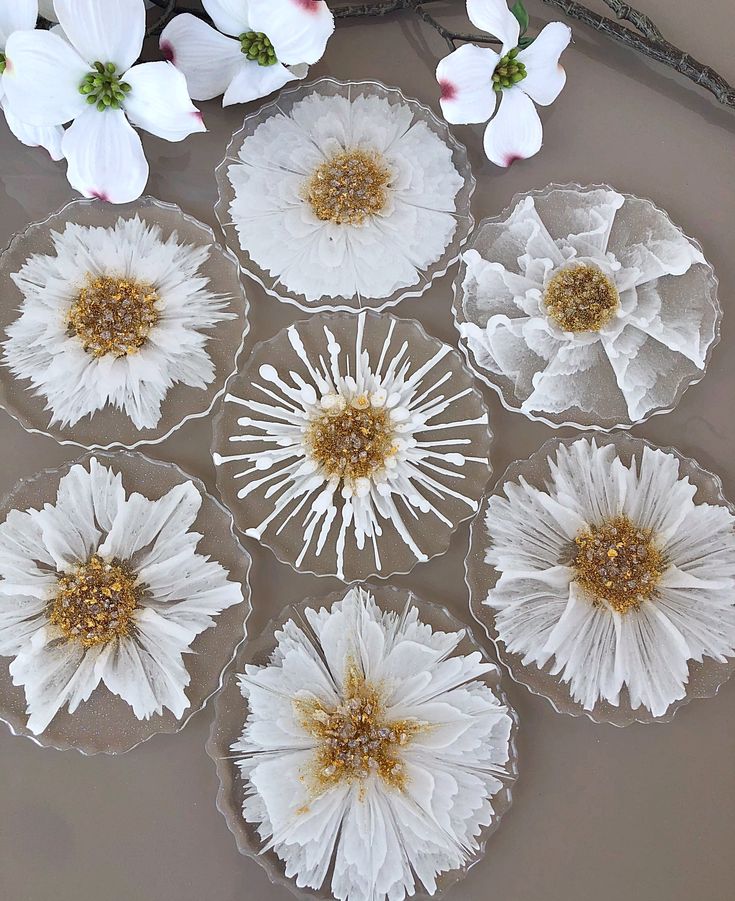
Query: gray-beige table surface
[{"x": 645, "y": 813}]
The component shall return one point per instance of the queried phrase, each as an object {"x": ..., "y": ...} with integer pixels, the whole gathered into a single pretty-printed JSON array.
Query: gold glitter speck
[
  {"x": 355, "y": 740},
  {"x": 581, "y": 298},
  {"x": 352, "y": 441},
  {"x": 113, "y": 315},
  {"x": 95, "y": 603},
  {"x": 349, "y": 187},
  {"x": 618, "y": 563}
]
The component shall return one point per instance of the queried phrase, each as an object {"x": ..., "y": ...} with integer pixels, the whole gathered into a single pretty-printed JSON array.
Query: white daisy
[
  {"x": 372, "y": 751},
  {"x": 358, "y": 423},
  {"x": 613, "y": 573},
  {"x": 116, "y": 316},
  {"x": 257, "y": 47},
  {"x": 345, "y": 192},
  {"x": 21, "y": 15},
  {"x": 588, "y": 306},
  {"x": 104, "y": 587}
]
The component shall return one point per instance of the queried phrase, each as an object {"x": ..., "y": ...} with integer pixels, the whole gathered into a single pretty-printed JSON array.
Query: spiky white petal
[{"x": 383, "y": 841}]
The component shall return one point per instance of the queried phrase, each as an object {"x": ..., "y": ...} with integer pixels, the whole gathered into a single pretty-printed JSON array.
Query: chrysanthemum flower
[
  {"x": 21, "y": 15},
  {"x": 90, "y": 79},
  {"x": 614, "y": 574},
  {"x": 104, "y": 587},
  {"x": 345, "y": 195},
  {"x": 372, "y": 750},
  {"x": 359, "y": 424},
  {"x": 587, "y": 305},
  {"x": 478, "y": 83},
  {"x": 260, "y": 46},
  {"x": 116, "y": 316}
]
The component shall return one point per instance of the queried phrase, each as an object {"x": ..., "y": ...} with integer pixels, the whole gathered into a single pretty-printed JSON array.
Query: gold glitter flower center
[
  {"x": 95, "y": 603},
  {"x": 113, "y": 315},
  {"x": 352, "y": 440},
  {"x": 618, "y": 563},
  {"x": 581, "y": 298},
  {"x": 349, "y": 187},
  {"x": 355, "y": 739}
]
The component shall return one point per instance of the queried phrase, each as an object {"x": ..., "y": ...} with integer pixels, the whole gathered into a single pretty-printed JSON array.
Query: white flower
[
  {"x": 264, "y": 44},
  {"x": 614, "y": 573},
  {"x": 21, "y": 15},
  {"x": 116, "y": 316},
  {"x": 345, "y": 198},
  {"x": 477, "y": 82},
  {"x": 100, "y": 587},
  {"x": 588, "y": 300},
  {"x": 89, "y": 79},
  {"x": 372, "y": 749},
  {"x": 353, "y": 436}
]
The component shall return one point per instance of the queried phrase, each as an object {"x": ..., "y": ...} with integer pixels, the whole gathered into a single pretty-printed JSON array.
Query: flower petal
[
  {"x": 465, "y": 78},
  {"x": 104, "y": 32},
  {"x": 37, "y": 135},
  {"x": 545, "y": 78},
  {"x": 159, "y": 102},
  {"x": 46, "y": 9},
  {"x": 42, "y": 78},
  {"x": 514, "y": 132},
  {"x": 105, "y": 156},
  {"x": 18, "y": 15},
  {"x": 298, "y": 29},
  {"x": 208, "y": 59},
  {"x": 230, "y": 16},
  {"x": 253, "y": 81},
  {"x": 494, "y": 17}
]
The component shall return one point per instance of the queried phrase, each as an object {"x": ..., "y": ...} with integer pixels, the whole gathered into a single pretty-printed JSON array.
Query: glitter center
[
  {"x": 349, "y": 188},
  {"x": 113, "y": 315},
  {"x": 95, "y": 603},
  {"x": 355, "y": 739},
  {"x": 352, "y": 440},
  {"x": 618, "y": 564},
  {"x": 581, "y": 298}
]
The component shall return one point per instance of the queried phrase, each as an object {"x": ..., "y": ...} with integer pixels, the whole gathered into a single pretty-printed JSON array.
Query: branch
[{"x": 654, "y": 47}]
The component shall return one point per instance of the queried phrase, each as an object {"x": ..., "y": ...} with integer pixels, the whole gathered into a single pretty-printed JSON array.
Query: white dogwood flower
[
  {"x": 91, "y": 81},
  {"x": 373, "y": 751},
  {"x": 257, "y": 47},
  {"x": 478, "y": 83}
]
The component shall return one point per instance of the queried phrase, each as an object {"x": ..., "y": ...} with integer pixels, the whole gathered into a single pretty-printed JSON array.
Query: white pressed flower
[
  {"x": 372, "y": 751},
  {"x": 260, "y": 46},
  {"x": 589, "y": 304},
  {"x": 478, "y": 83},
  {"x": 345, "y": 198},
  {"x": 614, "y": 574},
  {"x": 90, "y": 79},
  {"x": 100, "y": 587},
  {"x": 116, "y": 316},
  {"x": 358, "y": 438},
  {"x": 21, "y": 15}
]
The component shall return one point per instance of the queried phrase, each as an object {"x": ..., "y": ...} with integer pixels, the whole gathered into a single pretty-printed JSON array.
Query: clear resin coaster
[
  {"x": 352, "y": 445},
  {"x": 395, "y": 747},
  {"x": 118, "y": 323},
  {"x": 603, "y": 568},
  {"x": 345, "y": 195},
  {"x": 585, "y": 306},
  {"x": 123, "y": 598}
]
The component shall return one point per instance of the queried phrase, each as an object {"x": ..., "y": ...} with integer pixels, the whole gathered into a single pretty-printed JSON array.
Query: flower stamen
[
  {"x": 2, "y": 63},
  {"x": 349, "y": 187},
  {"x": 257, "y": 47},
  {"x": 95, "y": 603},
  {"x": 103, "y": 87},
  {"x": 618, "y": 564},
  {"x": 509, "y": 71},
  {"x": 113, "y": 315},
  {"x": 581, "y": 298}
]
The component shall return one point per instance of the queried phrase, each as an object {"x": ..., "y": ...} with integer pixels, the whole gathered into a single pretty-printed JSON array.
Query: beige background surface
[{"x": 645, "y": 813}]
